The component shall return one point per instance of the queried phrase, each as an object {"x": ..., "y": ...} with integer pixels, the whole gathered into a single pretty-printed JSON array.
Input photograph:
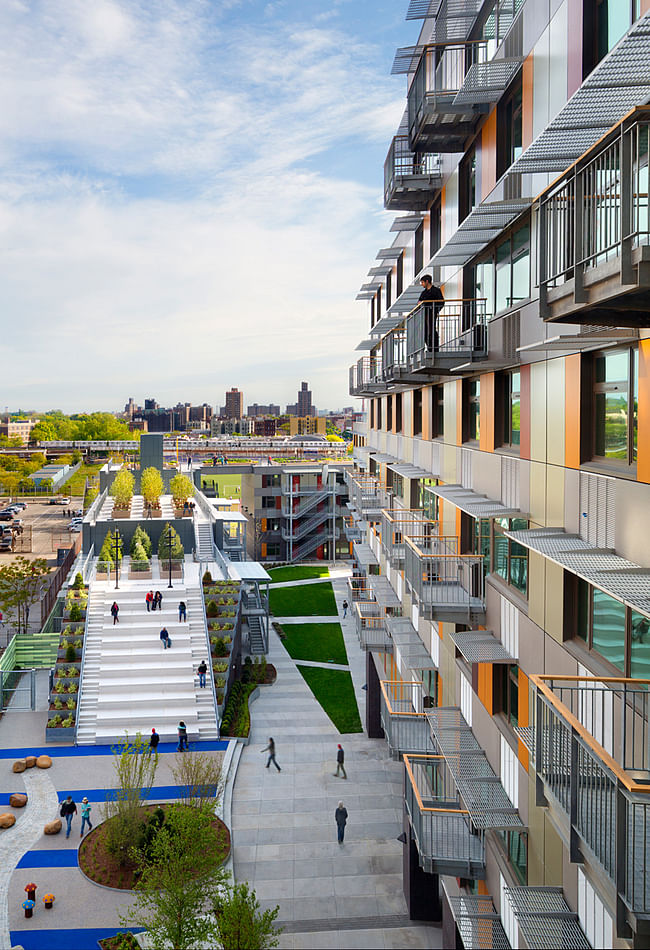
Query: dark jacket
[
  {"x": 114, "y": 609},
  {"x": 202, "y": 668},
  {"x": 341, "y": 815},
  {"x": 340, "y": 756},
  {"x": 154, "y": 740},
  {"x": 164, "y": 634},
  {"x": 432, "y": 293},
  {"x": 68, "y": 808}
]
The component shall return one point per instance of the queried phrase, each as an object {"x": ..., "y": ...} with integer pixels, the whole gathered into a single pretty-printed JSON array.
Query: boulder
[
  {"x": 7, "y": 820},
  {"x": 43, "y": 762},
  {"x": 53, "y": 827},
  {"x": 30, "y": 761},
  {"x": 18, "y": 800},
  {"x": 20, "y": 765}
]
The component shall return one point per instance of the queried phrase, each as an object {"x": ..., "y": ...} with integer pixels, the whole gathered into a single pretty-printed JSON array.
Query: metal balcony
[
  {"x": 366, "y": 376},
  {"x": 403, "y": 720},
  {"x": 400, "y": 523},
  {"x": 591, "y": 754},
  {"x": 448, "y": 586},
  {"x": 410, "y": 178},
  {"x": 367, "y": 495},
  {"x": 440, "y": 336},
  {"x": 370, "y": 620},
  {"x": 595, "y": 233},
  {"x": 358, "y": 592},
  {"x": 352, "y": 529}
]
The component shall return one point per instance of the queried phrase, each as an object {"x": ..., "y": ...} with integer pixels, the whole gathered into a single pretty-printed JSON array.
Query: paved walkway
[{"x": 284, "y": 833}]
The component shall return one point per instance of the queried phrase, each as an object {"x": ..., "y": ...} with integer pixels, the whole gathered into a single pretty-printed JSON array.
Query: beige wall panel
[
  {"x": 486, "y": 474},
  {"x": 538, "y": 412},
  {"x": 558, "y": 59},
  {"x": 555, "y": 496},
  {"x": 557, "y": 660},
  {"x": 554, "y": 600},
  {"x": 407, "y": 415},
  {"x": 449, "y": 469},
  {"x": 524, "y": 485},
  {"x": 555, "y": 411},
  {"x": 535, "y": 837},
  {"x": 537, "y": 499},
  {"x": 553, "y": 855},
  {"x": 487, "y": 734},
  {"x": 536, "y": 589},
  {"x": 448, "y": 673},
  {"x": 633, "y": 522},
  {"x": 450, "y": 412},
  {"x": 572, "y": 500}
]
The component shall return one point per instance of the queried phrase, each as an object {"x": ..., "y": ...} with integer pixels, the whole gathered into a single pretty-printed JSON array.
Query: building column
[
  {"x": 421, "y": 890},
  {"x": 373, "y": 706}
]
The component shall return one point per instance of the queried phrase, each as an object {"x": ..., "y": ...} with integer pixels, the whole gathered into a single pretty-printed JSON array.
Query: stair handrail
[
  {"x": 82, "y": 668},
  {"x": 207, "y": 635}
]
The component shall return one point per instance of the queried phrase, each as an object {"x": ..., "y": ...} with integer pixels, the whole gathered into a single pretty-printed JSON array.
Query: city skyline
[{"x": 132, "y": 193}]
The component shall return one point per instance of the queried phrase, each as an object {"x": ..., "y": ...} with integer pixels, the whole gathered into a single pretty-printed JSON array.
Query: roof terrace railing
[
  {"x": 444, "y": 582},
  {"x": 455, "y": 328},
  {"x": 403, "y": 719},
  {"x": 598, "y": 210},
  {"x": 591, "y": 750}
]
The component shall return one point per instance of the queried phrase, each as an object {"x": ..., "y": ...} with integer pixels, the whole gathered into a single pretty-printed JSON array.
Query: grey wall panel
[
  {"x": 633, "y": 522},
  {"x": 558, "y": 63},
  {"x": 572, "y": 500},
  {"x": 487, "y": 474}
]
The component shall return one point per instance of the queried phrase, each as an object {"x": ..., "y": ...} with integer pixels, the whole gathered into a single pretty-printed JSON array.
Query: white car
[
  {"x": 60, "y": 501},
  {"x": 77, "y": 526}
]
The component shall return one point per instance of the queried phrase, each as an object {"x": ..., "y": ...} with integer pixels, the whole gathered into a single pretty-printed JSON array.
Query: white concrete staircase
[
  {"x": 203, "y": 538},
  {"x": 130, "y": 683}
]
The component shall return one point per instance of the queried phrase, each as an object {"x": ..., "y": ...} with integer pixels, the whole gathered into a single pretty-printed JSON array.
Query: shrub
[
  {"x": 139, "y": 560},
  {"x": 55, "y": 722},
  {"x": 220, "y": 648},
  {"x": 181, "y": 488},
  {"x": 207, "y": 578},
  {"x": 59, "y": 687},
  {"x": 68, "y": 722},
  {"x": 76, "y": 612},
  {"x": 72, "y": 688},
  {"x": 70, "y": 654},
  {"x": 141, "y": 537},
  {"x": 78, "y": 582},
  {"x": 211, "y": 609},
  {"x": 151, "y": 485},
  {"x": 177, "y": 552},
  {"x": 63, "y": 645},
  {"x": 72, "y": 671},
  {"x": 58, "y": 703},
  {"x": 122, "y": 488},
  {"x": 70, "y": 703},
  {"x": 78, "y": 644}
]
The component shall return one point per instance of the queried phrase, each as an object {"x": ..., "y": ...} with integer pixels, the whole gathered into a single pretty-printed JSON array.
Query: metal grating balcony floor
[
  {"x": 473, "y": 503},
  {"x": 478, "y": 923},
  {"x": 364, "y": 555},
  {"x": 545, "y": 919},
  {"x": 410, "y": 646},
  {"x": 480, "y": 646},
  {"x": 384, "y": 593},
  {"x": 486, "y": 82}
]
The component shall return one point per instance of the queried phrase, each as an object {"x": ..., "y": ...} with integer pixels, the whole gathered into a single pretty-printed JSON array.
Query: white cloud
[{"x": 168, "y": 220}]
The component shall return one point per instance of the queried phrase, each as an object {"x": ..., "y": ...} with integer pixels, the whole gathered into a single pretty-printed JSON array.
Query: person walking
[
  {"x": 149, "y": 600},
  {"x": 182, "y": 612},
  {"x": 345, "y": 609},
  {"x": 157, "y": 600},
  {"x": 182, "y": 736},
  {"x": 270, "y": 748},
  {"x": 341, "y": 816},
  {"x": 164, "y": 636},
  {"x": 114, "y": 612},
  {"x": 202, "y": 669},
  {"x": 340, "y": 757},
  {"x": 68, "y": 811},
  {"x": 85, "y": 816},
  {"x": 154, "y": 739}
]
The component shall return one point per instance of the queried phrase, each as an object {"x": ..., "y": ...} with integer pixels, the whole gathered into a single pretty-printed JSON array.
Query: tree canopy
[
  {"x": 94, "y": 426},
  {"x": 21, "y": 583}
]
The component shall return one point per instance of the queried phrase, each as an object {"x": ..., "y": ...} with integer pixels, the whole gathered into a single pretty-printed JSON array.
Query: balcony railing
[
  {"x": 591, "y": 750},
  {"x": 438, "y": 79},
  {"x": 351, "y": 528},
  {"x": 595, "y": 232},
  {"x": 448, "y": 585},
  {"x": 370, "y": 620},
  {"x": 440, "y": 335},
  {"x": 409, "y": 177},
  {"x": 366, "y": 376},
  {"x": 403, "y": 719},
  {"x": 400, "y": 523},
  {"x": 447, "y": 841},
  {"x": 367, "y": 494},
  {"x": 358, "y": 592}
]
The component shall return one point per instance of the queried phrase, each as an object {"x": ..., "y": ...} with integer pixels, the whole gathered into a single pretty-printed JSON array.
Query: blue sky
[{"x": 191, "y": 195}]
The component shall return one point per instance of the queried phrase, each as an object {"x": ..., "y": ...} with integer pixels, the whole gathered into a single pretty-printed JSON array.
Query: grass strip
[
  {"x": 307, "y": 600},
  {"x": 334, "y": 691},
  {"x": 320, "y": 642},
  {"x": 299, "y": 572}
]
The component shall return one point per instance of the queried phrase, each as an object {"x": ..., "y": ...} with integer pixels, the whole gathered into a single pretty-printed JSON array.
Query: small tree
[
  {"x": 241, "y": 924},
  {"x": 107, "y": 552},
  {"x": 139, "y": 560},
  {"x": 177, "y": 552},
  {"x": 151, "y": 485},
  {"x": 181, "y": 488},
  {"x": 140, "y": 536},
  {"x": 134, "y": 774},
  {"x": 122, "y": 488},
  {"x": 21, "y": 583},
  {"x": 199, "y": 777},
  {"x": 78, "y": 581},
  {"x": 181, "y": 874}
]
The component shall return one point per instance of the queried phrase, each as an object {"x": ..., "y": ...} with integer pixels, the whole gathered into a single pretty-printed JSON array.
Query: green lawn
[
  {"x": 75, "y": 484},
  {"x": 307, "y": 600},
  {"x": 321, "y": 642},
  {"x": 298, "y": 573},
  {"x": 334, "y": 691},
  {"x": 225, "y": 485}
]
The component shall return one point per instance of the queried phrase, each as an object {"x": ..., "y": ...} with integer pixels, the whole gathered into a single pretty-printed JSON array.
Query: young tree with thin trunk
[
  {"x": 135, "y": 772},
  {"x": 199, "y": 779},
  {"x": 21, "y": 583},
  {"x": 242, "y": 926}
]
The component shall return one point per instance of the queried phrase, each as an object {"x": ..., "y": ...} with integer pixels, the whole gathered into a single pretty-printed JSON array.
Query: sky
[{"x": 191, "y": 195}]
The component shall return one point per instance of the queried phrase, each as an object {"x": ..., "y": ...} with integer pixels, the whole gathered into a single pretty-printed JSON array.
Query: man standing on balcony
[{"x": 430, "y": 293}]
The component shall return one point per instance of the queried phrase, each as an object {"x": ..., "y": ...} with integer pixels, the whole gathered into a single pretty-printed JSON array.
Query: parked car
[
  {"x": 75, "y": 527},
  {"x": 19, "y": 504},
  {"x": 17, "y": 525},
  {"x": 7, "y": 542},
  {"x": 60, "y": 500},
  {"x": 6, "y": 516}
]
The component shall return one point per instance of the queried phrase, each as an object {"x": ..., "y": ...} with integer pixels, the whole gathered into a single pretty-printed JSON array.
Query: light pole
[
  {"x": 169, "y": 542},
  {"x": 117, "y": 558}
]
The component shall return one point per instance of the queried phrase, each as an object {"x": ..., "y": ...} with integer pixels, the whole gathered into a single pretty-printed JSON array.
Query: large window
[
  {"x": 400, "y": 275},
  {"x": 418, "y": 249},
  {"x": 615, "y": 404},
  {"x": 389, "y": 413},
  {"x": 603, "y": 24},
  {"x": 437, "y": 411},
  {"x": 509, "y": 559},
  {"x": 511, "y": 409},
  {"x": 605, "y": 625},
  {"x": 417, "y": 412},
  {"x": 509, "y": 125},
  {"x": 435, "y": 228},
  {"x": 506, "y": 691},
  {"x": 468, "y": 197},
  {"x": 472, "y": 389},
  {"x": 502, "y": 277}
]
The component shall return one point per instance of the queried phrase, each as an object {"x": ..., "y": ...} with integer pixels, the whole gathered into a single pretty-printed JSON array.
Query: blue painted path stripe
[
  {"x": 162, "y": 792},
  {"x": 50, "y": 858},
  {"x": 58, "y": 751},
  {"x": 80, "y": 939}
]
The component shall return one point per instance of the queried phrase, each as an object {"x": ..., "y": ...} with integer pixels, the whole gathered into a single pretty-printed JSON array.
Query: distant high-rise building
[
  {"x": 304, "y": 405},
  {"x": 234, "y": 404},
  {"x": 150, "y": 405},
  {"x": 261, "y": 410}
]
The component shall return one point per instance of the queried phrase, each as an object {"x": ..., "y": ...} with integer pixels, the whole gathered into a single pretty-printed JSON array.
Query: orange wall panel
[
  {"x": 572, "y": 411},
  {"x": 643, "y": 456},
  {"x": 426, "y": 412},
  {"x": 524, "y": 405},
  {"x": 645, "y": 6},
  {"x": 459, "y": 412},
  {"x": 486, "y": 443},
  {"x": 527, "y": 101},
  {"x": 523, "y": 715},
  {"x": 485, "y": 685},
  {"x": 489, "y": 154}
]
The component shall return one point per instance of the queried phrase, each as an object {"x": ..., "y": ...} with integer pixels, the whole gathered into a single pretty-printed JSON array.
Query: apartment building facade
[
  {"x": 501, "y": 494},
  {"x": 296, "y": 512}
]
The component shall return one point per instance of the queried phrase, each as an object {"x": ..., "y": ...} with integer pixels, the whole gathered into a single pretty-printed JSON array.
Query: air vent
[
  {"x": 598, "y": 510},
  {"x": 511, "y": 335}
]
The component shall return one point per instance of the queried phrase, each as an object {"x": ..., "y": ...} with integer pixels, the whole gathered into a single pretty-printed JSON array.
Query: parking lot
[{"x": 45, "y": 526}]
